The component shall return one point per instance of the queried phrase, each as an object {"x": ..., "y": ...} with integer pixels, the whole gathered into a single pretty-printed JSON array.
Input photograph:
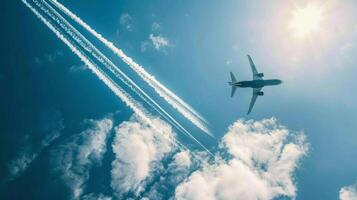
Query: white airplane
[{"x": 257, "y": 83}]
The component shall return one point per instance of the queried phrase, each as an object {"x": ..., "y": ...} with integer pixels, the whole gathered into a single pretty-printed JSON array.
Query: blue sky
[{"x": 190, "y": 47}]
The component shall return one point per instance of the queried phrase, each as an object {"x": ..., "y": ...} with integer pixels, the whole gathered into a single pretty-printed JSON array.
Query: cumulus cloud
[
  {"x": 176, "y": 170},
  {"x": 349, "y": 192},
  {"x": 158, "y": 41},
  {"x": 181, "y": 160},
  {"x": 139, "y": 150},
  {"x": 262, "y": 157},
  {"x": 255, "y": 160},
  {"x": 74, "y": 159},
  {"x": 126, "y": 21}
]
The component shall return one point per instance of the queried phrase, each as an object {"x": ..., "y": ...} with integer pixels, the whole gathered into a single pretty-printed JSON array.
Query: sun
[{"x": 306, "y": 21}]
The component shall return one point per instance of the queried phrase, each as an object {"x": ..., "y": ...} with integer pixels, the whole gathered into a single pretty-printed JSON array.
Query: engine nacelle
[
  {"x": 261, "y": 75},
  {"x": 260, "y": 93}
]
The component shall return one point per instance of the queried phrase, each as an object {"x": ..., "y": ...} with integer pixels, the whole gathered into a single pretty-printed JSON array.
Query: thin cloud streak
[{"x": 181, "y": 106}]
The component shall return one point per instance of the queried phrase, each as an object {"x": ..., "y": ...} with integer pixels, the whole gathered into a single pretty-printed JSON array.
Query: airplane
[{"x": 256, "y": 84}]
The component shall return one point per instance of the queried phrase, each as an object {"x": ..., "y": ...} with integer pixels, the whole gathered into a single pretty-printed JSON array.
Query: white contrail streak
[
  {"x": 118, "y": 91},
  {"x": 78, "y": 37},
  {"x": 136, "y": 107},
  {"x": 89, "y": 47},
  {"x": 164, "y": 92}
]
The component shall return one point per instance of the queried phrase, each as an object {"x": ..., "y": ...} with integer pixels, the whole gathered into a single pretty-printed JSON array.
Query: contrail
[
  {"x": 136, "y": 107},
  {"x": 164, "y": 92},
  {"x": 78, "y": 37},
  {"x": 118, "y": 91},
  {"x": 90, "y": 48}
]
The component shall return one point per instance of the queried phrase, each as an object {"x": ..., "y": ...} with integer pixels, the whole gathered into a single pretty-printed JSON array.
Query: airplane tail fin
[{"x": 233, "y": 80}]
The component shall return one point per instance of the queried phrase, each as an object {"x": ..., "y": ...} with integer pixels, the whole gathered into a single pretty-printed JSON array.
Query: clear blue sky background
[{"x": 207, "y": 40}]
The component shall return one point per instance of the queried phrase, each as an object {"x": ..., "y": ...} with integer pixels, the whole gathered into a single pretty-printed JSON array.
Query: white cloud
[
  {"x": 349, "y": 192},
  {"x": 179, "y": 168},
  {"x": 263, "y": 155},
  {"x": 182, "y": 160},
  {"x": 139, "y": 150},
  {"x": 165, "y": 182},
  {"x": 159, "y": 41},
  {"x": 20, "y": 164},
  {"x": 127, "y": 21},
  {"x": 74, "y": 159}
]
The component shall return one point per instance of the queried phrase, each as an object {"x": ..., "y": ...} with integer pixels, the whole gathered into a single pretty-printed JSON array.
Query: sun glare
[{"x": 306, "y": 21}]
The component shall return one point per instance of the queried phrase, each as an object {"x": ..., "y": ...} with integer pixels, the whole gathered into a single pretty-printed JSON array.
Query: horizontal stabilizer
[{"x": 234, "y": 88}]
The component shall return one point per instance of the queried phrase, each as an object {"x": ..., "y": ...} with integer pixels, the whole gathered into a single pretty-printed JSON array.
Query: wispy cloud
[
  {"x": 48, "y": 58},
  {"x": 262, "y": 162},
  {"x": 144, "y": 46},
  {"x": 156, "y": 42},
  {"x": 93, "y": 196},
  {"x": 139, "y": 150},
  {"x": 159, "y": 42},
  {"x": 74, "y": 159},
  {"x": 19, "y": 165},
  {"x": 155, "y": 26},
  {"x": 126, "y": 21},
  {"x": 77, "y": 68},
  {"x": 348, "y": 192},
  {"x": 28, "y": 153}
]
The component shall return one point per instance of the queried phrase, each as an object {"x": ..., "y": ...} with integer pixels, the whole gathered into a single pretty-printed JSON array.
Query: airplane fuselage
[{"x": 256, "y": 83}]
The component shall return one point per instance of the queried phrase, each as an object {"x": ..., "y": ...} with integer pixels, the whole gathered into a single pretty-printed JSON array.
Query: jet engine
[
  {"x": 260, "y": 93},
  {"x": 261, "y": 75}
]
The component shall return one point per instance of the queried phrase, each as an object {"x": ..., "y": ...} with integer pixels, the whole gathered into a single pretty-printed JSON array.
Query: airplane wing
[
  {"x": 254, "y": 98},
  {"x": 254, "y": 69}
]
